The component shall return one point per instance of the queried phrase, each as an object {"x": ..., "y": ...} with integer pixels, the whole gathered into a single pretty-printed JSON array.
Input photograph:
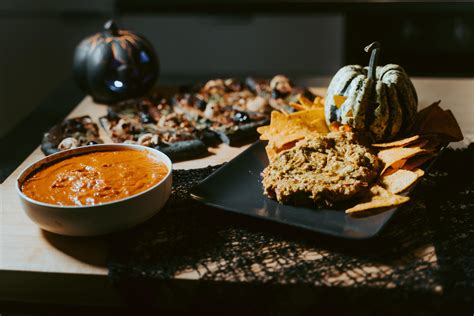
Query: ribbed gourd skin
[{"x": 385, "y": 108}]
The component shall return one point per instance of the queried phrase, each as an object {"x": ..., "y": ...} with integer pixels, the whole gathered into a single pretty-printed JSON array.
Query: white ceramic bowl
[{"x": 101, "y": 218}]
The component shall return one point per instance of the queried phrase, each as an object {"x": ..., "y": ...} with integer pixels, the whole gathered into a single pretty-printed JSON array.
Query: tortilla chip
[
  {"x": 422, "y": 115},
  {"x": 389, "y": 171},
  {"x": 318, "y": 102},
  {"x": 419, "y": 172},
  {"x": 398, "y": 164},
  {"x": 305, "y": 101},
  {"x": 288, "y": 137},
  {"x": 297, "y": 106},
  {"x": 285, "y": 130},
  {"x": 287, "y": 146},
  {"x": 398, "y": 143},
  {"x": 395, "y": 166},
  {"x": 277, "y": 123},
  {"x": 320, "y": 125},
  {"x": 271, "y": 152},
  {"x": 433, "y": 120},
  {"x": 454, "y": 129},
  {"x": 393, "y": 155},
  {"x": 378, "y": 198},
  {"x": 308, "y": 115},
  {"x": 305, "y": 104},
  {"x": 400, "y": 180},
  {"x": 419, "y": 143},
  {"x": 263, "y": 131},
  {"x": 434, "y": 144},
  {"x": 418, "y": 161}
]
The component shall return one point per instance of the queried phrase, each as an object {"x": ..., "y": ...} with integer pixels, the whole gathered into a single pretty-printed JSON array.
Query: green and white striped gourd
[{"x": 381, "y": 100}]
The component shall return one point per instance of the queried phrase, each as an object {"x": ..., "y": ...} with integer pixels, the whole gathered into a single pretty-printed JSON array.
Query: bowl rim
[{"x": 84, "y": 150}]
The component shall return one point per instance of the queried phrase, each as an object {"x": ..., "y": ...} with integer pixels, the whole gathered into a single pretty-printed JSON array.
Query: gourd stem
[
  {"x": 374, "y": 49},
  {"x": 111, "y": 27}
]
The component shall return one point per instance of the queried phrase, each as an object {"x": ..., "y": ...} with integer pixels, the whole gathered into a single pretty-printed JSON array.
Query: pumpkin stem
[
  {"x": 111, "y": 27},
  {"x": 374, "y": 49}
]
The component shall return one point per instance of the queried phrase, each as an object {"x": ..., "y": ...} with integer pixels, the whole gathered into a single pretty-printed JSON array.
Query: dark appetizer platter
[
  {"x": 186, "y": 124},
  {"x": 71, "y": 133}
]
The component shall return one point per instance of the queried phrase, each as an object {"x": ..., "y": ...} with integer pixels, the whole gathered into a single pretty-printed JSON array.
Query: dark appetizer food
[
  {"x": 71, "y": 133},
  {"x": 235, "y": 109},
  {"x": 154, "y": 123},
  {"x": 186, "y": 125},
  {"x": 226, "y": 111},
  {"x": 324, "y": 169}
]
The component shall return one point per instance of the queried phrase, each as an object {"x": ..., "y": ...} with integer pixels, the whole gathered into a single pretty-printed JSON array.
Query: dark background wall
[
  {"x": 191, "y": 46},
  {"x": 194, "y": 46},
  {"x": 37, "y": 42},
  {"x": 201, "y": 39},
  {"x": 435, "y": 40}
]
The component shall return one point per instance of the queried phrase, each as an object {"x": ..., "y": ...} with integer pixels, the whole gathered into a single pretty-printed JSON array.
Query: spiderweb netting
[{"x": 428, "y": 246}]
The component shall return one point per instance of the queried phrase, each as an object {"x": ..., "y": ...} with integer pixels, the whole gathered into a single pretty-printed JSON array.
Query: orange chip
[
  {"x": 318, "y": 102},
  {"x": 419, "y": 172},
  {"x": 288, "y": 137},
  {"x": 307, "y": 115},
  {"x": 277, "y": 123},
  {"x": 305, "y": 101},
  {"x": 263, "y": 130},
  {"x": 433, "y": 144},
  {"x": 426, "y": 115},
  {"x": 298, "y": 107},
  {"x": 271, "y": 152},
  {"x": 398, "y": 143},
  {"x": 435, "y": 120},
  {"x": 286, "y": 130},
  {"x": 393, "y": 155},
  {"x": 419, "y": 143},
  {"x": 400, "y": 180},
  {"x": 418, "y": 161},
  {"x": 320, "y": 125},
  {"x": 398, "y": 164},
  {"x": 389, "y": 171},
  {"x": 454, "y": 129},
  {"x": 378, "y": 198},
  {"x": 306, "y": 104}
]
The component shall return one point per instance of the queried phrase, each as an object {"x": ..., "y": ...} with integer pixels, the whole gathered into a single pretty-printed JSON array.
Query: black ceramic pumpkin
[{"x": 115, "y": 65}]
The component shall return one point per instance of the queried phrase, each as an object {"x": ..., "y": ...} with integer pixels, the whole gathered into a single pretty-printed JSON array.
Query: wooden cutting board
[{"x": 24, "y": 247}]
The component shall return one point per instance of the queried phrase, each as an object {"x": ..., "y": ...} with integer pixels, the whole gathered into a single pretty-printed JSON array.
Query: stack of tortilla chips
[
  {"x": 285, "y": 130},
  {"x": 434, "y": 128}
]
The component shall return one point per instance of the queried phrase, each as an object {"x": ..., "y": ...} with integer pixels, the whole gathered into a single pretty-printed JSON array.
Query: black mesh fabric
[{"x": 428, "y": 246}]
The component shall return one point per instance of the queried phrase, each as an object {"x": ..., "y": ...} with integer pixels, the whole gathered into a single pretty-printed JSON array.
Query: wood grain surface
[{"x": 25, "y": 247}]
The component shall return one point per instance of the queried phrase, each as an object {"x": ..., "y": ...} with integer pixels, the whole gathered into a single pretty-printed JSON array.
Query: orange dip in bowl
[{"x": 95, "y": 178}]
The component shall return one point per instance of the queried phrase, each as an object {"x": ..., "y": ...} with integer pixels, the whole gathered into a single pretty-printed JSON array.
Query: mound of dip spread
[
  {"x": 321, "y": 170},
  {"x": 95, "y": 178}
]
